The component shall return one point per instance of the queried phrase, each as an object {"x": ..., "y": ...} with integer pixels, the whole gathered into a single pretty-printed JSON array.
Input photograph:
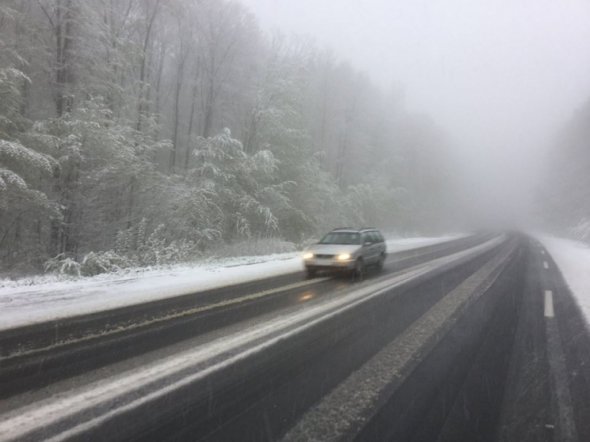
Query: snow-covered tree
[{"x": 142, "y": 132}]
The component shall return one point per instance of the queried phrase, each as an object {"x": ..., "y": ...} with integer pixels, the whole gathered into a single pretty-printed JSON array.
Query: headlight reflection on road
[{"x": 306, "y": 296}]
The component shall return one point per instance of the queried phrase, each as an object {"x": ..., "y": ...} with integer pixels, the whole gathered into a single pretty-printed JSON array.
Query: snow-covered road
[
  {"x": 442, "y": 317},
  {"x": 168, "y": 375}
]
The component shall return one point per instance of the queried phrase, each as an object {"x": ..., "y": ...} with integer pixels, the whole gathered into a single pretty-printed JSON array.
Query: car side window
[
  {"x": 367, "y": 237},
  {"x": 374, "y": 237}
]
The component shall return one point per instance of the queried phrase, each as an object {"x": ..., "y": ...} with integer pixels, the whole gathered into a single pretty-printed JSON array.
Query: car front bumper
[{"x": 329, "y": 264}]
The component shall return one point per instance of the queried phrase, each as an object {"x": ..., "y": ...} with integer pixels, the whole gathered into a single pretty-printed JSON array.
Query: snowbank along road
[{"x": 473, "y": 339}]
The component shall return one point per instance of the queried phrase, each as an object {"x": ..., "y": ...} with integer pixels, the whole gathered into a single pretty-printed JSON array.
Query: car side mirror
[{"x": 367, "y": 243}]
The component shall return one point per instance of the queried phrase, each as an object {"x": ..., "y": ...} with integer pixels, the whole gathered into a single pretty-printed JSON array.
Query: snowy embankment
[
  {"x": 573, "y": 259},
  {"x": 40, "y": 299}
]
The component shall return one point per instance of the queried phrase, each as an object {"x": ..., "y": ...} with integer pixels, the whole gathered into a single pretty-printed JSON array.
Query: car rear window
[
  {"x": 373, "y": 236},
  {"x": 379, "y": 236}
]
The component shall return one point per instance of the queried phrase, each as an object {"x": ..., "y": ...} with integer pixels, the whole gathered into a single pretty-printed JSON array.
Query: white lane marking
[
  {"x": 565, "y": 427},
  {"x": 549, "y": 312},
  {"x": 545, "y": 264}
]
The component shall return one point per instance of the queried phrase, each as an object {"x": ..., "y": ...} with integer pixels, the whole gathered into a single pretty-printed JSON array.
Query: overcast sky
[{"x": 499, "y": 75}]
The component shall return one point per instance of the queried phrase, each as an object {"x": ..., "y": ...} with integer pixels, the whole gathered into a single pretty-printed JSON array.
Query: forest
[
  {"x": 145, "y": 132},
  {"x": 564, "y": 200}
]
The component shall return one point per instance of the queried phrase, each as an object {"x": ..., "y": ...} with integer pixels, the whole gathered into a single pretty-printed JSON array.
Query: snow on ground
[
  {"x": 40, "y": 302},
  {"x": 40, "y": 299},
  {"x": 573, "y": 259}
]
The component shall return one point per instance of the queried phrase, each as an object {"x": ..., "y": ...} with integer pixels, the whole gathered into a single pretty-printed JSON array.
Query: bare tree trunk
[
  {"x": 179, "y": 81},
  {"x": 324, "y": 112},
  {"x": 56, "y": 224},
  {"x": 209, "y": 109},
  {"x": 251, "y": 131},
  {"x": 342, "y": 156},
  {"x": 71, "y": 204},
  {"x": 115, "y": 22},
  {"x": 143, "y": 63},
  {"x": 131, "y": 201},
  {"x": 158, "y": 91},
  {"x": 62, "y": 25},
  {"x": 190, "y": 126},
  {"x": 20, "y": 27}
]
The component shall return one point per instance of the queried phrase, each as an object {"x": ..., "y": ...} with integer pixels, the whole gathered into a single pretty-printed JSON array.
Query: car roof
[{"x": 352, "y": 229}]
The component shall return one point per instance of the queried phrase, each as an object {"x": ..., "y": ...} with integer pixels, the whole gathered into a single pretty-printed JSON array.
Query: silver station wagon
[{"x": 346, "y": 250}]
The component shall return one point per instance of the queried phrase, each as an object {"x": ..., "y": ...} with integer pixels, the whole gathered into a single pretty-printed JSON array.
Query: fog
[{"x": 501, "y": 78}]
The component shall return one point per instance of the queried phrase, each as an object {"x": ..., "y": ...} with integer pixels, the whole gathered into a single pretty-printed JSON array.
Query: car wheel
[
  {"x": 359, "y": 270},
  {"x": 381, "y": 262},
  {"x": 310, "y": 273}
]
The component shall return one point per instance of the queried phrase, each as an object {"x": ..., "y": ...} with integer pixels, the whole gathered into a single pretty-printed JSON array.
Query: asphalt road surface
[{"x": 477, "y": 339}]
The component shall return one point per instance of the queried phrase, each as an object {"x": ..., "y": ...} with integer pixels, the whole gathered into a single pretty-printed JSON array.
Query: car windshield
[{"x": 341, "y": 238}]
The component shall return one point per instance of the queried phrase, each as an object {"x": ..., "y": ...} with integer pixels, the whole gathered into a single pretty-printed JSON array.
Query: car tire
[
  {"x": 381, "y": 262},
  {"x": 310, "y": 273},
  {"x": 358, "y": 273}
]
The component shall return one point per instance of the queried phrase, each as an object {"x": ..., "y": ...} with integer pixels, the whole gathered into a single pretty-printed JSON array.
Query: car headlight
[
  {"x": 344, "y": 257},
  {"x": 307, "y": 255}
]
